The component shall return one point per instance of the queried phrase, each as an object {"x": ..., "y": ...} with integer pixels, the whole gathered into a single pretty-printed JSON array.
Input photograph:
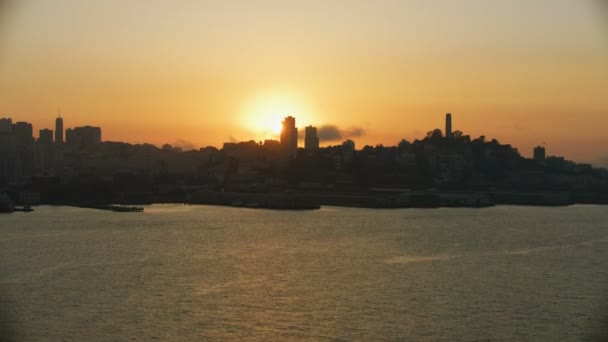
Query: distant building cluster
[
  {"x": 289, "y": 138},
  {"x": 22, "y": 156}
]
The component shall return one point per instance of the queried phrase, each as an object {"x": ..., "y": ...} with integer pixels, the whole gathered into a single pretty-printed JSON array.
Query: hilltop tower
[{"x": 448, "y": 125}]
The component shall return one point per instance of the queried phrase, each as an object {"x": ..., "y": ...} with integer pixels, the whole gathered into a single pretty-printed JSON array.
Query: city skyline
[
  {"x": 289, "y": 136},
  {"x": 201, "y": 73}
]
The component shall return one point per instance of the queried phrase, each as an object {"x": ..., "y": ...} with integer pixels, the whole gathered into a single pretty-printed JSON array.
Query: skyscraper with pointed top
[{"x": 59, "y": 129}]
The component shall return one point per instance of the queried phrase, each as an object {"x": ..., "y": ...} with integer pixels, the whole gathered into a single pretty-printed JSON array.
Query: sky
[{"x": 198, "y": 73}]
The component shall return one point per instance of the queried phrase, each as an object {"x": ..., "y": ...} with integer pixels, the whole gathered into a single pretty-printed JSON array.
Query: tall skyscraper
[
  {"x": 311, "y": 140},
  {"x": 289, "y": 137},
  {"x": 59, "y": 130},
  {"x": 448, "y": 125}
]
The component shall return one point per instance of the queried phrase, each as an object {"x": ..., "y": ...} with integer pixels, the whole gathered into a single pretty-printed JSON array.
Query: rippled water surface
[{"x": 202, "y": 273}]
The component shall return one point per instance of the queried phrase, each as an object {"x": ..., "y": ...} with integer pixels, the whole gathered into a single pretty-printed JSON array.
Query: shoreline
[
  {"x": 314, "y": 201},
  {"x": 142, "y": 207}
]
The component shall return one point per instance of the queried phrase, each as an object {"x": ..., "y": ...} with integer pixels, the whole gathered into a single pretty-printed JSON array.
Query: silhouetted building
[
  {"x": 273, "y": 146},
  {"x": 44, "y": 150},
  {"x": 6, "y": 125},
  {"x": 59, "y": 130},
  {"x": 348, "y": 150},
  {"x": 448, "y": 125},
  {"x": 23, "y": 132},
  {"x": 24, "y": 148},
  {"x": 289, "y": 137},
  {"x": 311, "y": 140},
  {"x": 539, "y": 154},
  {"x": 45, "y": 137},
  {"x": 83, "y": 137},
  {"x": 8, "y": 157}
]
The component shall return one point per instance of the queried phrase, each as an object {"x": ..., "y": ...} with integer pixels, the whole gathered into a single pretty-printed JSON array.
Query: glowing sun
[{"x": 265, "y": 113}]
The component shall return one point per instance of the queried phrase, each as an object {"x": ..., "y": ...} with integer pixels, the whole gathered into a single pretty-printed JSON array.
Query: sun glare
[
  {"x": 264, "y": 114},
  {"x": 276, "y": 127}
]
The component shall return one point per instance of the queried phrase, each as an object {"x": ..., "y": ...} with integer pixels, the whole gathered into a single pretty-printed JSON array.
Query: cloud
[
  {"x": 185, "y": 145},
  {"x": 355, "y": 132},
  {"x": 334, "y": 133},
  {"x": 329, "y": 133}
]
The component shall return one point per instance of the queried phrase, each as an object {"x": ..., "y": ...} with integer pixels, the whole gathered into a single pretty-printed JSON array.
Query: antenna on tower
[{"x": 59, "y": 112}]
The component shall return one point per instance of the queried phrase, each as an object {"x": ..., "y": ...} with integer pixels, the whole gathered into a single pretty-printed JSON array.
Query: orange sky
[{"x": 203, "y": 72}]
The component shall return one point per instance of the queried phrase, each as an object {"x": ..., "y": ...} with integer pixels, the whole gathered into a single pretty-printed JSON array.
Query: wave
[{"x": 407, "y": 259}]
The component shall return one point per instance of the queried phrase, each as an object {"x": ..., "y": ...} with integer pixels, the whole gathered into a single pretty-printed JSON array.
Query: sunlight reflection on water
[{"x": 190, "y": 273}]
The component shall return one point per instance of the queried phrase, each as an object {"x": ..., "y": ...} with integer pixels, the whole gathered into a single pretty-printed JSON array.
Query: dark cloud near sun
[{"x": 335, "y": 133}]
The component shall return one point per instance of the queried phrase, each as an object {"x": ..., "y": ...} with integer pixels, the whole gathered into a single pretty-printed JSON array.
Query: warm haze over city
[{"x": 197, "y": 73}]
